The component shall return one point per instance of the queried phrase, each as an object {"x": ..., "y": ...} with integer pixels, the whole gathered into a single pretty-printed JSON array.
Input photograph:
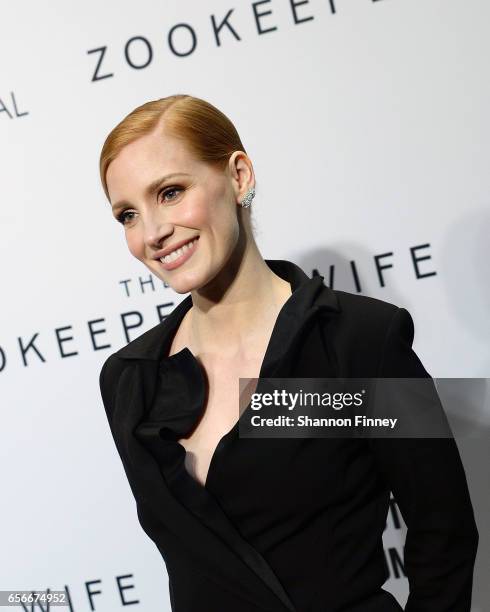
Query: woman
[{"x": 248, "y": 524}]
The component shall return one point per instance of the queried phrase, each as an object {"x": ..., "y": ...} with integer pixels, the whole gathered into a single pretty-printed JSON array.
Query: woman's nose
[{"x": 156, "y": 232}]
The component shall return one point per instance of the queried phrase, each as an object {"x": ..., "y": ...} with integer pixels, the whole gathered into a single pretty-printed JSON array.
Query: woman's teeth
[{"x": 178, "y": 252}]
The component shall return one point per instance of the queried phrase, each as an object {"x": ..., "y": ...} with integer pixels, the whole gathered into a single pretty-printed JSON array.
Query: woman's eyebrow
[{"x": 152, "y": 188}]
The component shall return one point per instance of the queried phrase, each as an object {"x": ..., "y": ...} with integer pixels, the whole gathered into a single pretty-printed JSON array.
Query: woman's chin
[
  {"x": 183, "y": 285},
  {"x": 182, "y": 291}
]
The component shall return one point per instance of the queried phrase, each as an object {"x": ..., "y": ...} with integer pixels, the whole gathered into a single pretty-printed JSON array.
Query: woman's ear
[{"x": 241, "y": 173}]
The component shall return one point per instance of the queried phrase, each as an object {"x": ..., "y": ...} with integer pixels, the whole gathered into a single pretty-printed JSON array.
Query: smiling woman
[
  {"x": 172, "y": 180},
  {"x": 248, "y": 524}
]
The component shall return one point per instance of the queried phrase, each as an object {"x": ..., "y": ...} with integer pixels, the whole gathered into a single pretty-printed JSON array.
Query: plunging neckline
[{"x": 231, "y": 433}]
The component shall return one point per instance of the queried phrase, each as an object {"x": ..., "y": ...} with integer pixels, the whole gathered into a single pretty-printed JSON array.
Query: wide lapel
[
  {"x": 225, "y": 557},
  {"x": 159, "y": 511}
]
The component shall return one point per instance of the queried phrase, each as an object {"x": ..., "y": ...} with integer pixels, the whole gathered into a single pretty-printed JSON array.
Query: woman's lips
[{"x": 188, "y": 252}]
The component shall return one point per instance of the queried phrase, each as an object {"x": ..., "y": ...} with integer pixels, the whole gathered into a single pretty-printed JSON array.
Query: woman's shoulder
[
  {"x": 362, "y": 312},
  {"x": 369, "y": 330}
]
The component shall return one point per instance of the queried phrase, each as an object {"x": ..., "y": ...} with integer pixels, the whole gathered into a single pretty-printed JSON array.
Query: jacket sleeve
[{"x": 427, "y": 479}]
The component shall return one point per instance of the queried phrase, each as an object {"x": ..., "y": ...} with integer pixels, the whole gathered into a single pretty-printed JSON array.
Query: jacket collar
[{"x": 308, "y": 294}]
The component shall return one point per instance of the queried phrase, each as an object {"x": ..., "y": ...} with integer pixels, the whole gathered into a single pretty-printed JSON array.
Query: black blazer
[{"x": 291, "y": 524}]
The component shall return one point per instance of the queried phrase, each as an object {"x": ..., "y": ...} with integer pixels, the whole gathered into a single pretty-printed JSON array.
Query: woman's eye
[
  {"x": 169, "y": 190},
  {"x": 123, "y": 216}
]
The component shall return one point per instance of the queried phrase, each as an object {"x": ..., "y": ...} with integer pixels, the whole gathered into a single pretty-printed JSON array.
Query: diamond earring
[{"x": 249, "y": 196}]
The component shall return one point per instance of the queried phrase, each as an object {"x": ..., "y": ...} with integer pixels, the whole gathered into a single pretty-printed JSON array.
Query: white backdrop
[{"x": 368, "y": 126}]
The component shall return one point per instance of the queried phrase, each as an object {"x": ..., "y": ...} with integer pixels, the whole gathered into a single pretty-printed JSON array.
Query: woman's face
[{"x": 197, "y": 203}]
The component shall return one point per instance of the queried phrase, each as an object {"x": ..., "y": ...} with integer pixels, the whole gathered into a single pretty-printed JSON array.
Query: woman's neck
[{"x": 247, "y": 306}]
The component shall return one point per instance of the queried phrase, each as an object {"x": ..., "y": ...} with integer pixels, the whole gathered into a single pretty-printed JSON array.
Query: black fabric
[{"x": 291, "y": 524}]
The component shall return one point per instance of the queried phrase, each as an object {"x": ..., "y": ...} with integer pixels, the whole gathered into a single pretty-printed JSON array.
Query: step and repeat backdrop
[{"x": 367, "y": 123}]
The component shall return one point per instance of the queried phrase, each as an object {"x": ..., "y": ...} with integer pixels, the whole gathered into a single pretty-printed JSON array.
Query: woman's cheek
[
  {"x": 197, "y": 215},
  {"x": 135, "y": 246}
]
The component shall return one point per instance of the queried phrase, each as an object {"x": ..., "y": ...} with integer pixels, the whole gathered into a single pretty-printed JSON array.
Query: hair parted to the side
[{"x": 208, "y": 133}]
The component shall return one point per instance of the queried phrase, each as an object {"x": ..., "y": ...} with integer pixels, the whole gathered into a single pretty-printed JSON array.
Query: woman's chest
[
  {"x": 229, "y": 384},
  {"x": 221, "y": 411}
]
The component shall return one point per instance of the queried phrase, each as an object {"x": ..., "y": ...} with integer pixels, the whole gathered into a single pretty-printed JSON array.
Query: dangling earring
[{"x": 249, "y": 196}]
